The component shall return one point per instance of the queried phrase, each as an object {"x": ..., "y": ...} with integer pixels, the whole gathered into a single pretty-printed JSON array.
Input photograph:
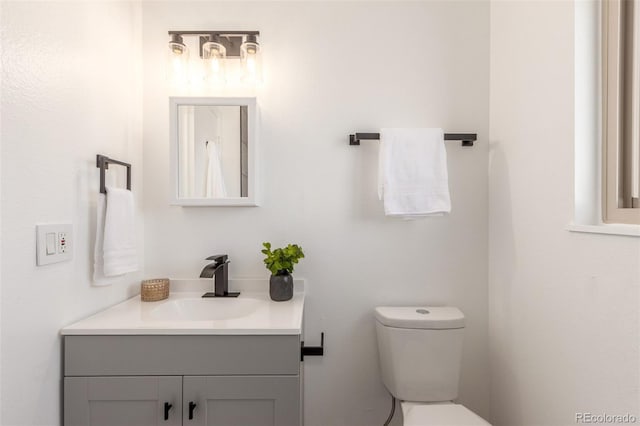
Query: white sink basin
[
  {"x": 204, "y": 309},
  {"x": 186, "y": 312}
]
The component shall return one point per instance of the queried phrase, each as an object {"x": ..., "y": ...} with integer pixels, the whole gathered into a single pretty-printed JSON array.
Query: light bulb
[
  {"x": 215, "y": 65},
  {"x": 214, "y": 55}
]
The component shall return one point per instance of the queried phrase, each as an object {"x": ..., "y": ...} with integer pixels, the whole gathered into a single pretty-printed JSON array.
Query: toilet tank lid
[{"x": 425, "y": 317}]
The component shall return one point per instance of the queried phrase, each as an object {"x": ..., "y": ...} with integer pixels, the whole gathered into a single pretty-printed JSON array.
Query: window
[{"x": 621, "y": 111}]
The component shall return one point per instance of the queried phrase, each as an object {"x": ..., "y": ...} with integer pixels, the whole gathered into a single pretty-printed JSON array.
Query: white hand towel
[
  {"x": 119, "y": 246},
  {"x": 99, "y": 279},
  {"x": 412, "y": 173}
]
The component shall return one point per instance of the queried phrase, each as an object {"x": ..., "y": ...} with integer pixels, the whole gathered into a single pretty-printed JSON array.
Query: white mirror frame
[{"x": 252, "y": 192}]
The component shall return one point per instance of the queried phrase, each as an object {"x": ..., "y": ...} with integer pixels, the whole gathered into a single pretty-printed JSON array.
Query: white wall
[
  {"x": 70, "y": 90},
  {"x": 332, "y": 68},
  {"x": 1, "y": 202},
  {"x": 563, "y": 306}
]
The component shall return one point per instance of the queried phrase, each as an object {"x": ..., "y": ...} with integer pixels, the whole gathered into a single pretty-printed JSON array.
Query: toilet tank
[{"x": 420, "y": 351}]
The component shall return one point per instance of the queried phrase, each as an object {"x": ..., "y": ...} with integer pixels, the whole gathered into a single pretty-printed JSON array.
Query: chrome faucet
[{"x": 219, "y": 271}]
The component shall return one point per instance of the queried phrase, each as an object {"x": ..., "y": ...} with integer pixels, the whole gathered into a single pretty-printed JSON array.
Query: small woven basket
[{"x": 154, "y": 290}]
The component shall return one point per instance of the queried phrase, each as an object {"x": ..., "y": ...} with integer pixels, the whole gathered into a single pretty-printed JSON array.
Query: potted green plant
[{"x": 281, "y": 262}]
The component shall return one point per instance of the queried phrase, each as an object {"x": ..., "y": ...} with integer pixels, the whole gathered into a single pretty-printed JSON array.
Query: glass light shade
[
  {"x": 251, "y": 61},
  {"x": 178, "y": 61},
  {"x": 214, "y": 55}
]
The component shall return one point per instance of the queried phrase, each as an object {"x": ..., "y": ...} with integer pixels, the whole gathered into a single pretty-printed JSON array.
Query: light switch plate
[{"x": 54, "y": 243}]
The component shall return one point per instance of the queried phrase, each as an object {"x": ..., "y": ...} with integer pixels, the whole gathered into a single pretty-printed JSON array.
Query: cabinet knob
[
  {"x": 167, "y": 407},
  {"x": 192, "y": 407}
]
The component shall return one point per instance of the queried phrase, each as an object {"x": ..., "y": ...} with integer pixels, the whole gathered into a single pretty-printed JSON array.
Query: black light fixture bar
[
  {"x": 466, "y": 138},
  {"x": 210, "y": 32}
]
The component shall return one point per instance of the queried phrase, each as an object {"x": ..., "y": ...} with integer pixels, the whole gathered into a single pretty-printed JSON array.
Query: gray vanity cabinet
[
  {"x": 208, "y": 380},
  {"x": 123, "y": 401},
  {"x": 241, "y": 401}
]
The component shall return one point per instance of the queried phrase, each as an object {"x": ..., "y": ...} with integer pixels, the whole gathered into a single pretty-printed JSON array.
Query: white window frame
[{"x": 620, "y": 111}]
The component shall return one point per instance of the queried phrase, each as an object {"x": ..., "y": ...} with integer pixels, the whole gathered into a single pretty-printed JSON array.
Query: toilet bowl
[{"x": 420, "y": 351}]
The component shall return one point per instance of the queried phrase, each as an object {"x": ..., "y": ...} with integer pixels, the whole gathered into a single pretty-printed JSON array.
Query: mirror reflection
[{"x": 212, "y": 151}]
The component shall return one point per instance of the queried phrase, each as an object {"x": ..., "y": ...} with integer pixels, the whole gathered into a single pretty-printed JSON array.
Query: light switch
[
  {"x": 54, "y": 243},
  {"x": 51, "y": 243}
]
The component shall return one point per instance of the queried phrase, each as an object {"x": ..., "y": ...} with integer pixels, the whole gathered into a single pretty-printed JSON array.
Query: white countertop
[{"x": 186, "y": 312}]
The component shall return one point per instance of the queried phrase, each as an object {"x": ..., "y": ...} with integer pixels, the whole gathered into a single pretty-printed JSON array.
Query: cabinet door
[
  {"x": 241, "y": 401},
  {"x": 123, "y": 401}
]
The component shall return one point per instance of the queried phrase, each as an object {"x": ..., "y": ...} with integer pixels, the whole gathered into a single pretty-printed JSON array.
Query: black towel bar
[
  {"x": 102, "y": 162},
  {"x": 466, "y": 138},
  {"x": 312, "y": 350}
]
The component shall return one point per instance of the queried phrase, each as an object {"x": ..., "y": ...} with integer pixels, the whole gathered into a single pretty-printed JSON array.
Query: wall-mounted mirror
[{"x": 213, "y": 151}]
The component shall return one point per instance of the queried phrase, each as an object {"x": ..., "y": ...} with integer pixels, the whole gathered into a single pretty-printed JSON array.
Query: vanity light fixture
[{"x": 218, "y": 50}]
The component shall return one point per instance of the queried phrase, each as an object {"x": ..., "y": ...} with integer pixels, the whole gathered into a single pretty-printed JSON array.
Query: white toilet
[{"x": 420, "y": 352}]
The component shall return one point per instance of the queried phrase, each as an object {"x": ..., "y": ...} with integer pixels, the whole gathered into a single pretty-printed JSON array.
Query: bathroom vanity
[{"x": 187, "y": 360}]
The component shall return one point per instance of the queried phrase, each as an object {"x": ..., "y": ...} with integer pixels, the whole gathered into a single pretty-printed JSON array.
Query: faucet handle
[{"x": 219, "y": 258}]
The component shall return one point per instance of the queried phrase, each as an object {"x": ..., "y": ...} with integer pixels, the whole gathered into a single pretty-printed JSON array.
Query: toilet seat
[{"x": 439, "y": 414}]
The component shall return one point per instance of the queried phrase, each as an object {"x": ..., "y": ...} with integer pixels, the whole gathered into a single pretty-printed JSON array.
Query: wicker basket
[{"x": 154, "y": 290}]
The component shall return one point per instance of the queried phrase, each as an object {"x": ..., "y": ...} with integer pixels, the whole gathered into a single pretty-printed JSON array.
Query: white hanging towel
[
  {"x": 214, "y": 186},
  {"x": 99, "y": 279},
  {"x": 119, "y": 240},
  {"x": 412, "y": 173}
]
